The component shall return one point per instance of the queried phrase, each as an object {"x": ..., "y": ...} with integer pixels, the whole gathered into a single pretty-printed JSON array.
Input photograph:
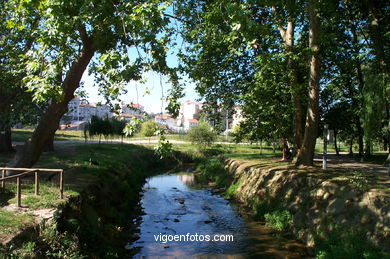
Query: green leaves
[{"x": 132, "y": 127}]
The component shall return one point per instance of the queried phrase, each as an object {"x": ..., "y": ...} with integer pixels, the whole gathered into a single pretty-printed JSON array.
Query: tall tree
[
  {"x": 306, "y": 153},
  {"x": 70, "y": 35}
]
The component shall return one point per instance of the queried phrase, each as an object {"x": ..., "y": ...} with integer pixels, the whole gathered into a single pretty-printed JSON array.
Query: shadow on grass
[{"x": 5, "y": 196}]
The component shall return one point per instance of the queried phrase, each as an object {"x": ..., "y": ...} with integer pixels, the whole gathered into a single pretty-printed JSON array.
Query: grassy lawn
[{"x": 21, "y": 135}]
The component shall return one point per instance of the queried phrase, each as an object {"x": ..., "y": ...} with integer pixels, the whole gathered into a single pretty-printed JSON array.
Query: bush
[
  {"x": 212, "y": 169},
  {"x": 280, "y": 220},
  {"x": 148, "y": 128},
  {"x": 347, "y": 243},
  {"x": 202, "y": 134}
]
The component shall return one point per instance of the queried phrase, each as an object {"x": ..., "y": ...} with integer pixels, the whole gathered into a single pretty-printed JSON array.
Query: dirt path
[{"x": 344, "y": 161}]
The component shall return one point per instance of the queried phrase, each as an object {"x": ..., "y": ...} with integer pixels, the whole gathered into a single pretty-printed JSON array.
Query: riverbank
[
  {"x": 102, "y": 185},
  {"x": 338, "y": 212}
]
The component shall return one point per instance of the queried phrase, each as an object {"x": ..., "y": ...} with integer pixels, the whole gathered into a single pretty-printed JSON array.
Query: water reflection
[{"x": 186, "y": 178}]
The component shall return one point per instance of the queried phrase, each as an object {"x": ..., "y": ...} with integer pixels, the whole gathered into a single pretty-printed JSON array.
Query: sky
[{"x": 152, "y": 102}]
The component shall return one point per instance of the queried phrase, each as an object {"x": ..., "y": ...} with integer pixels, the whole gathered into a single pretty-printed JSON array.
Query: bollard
[
  {"x": 18, "y": 192},
  {"x": 37, "y": 183}
]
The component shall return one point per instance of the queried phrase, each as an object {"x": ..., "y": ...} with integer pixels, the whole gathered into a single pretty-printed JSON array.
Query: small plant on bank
[
  {"x": 212, "y": 170},
  {"x": 232, "y": 190},
  {"x": 164, "y": 147},
  {"x": 280, "y": 220},
  {"x": 347, "y": 243},
  {"x": 202, "y": 134}
]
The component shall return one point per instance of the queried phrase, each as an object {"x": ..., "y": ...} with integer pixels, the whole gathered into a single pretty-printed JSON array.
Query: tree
[
  {"x": 148, "y": 128},
  {"x": 306, "y": 153},
  {"x": 15, "y": 102},
  {"x": 202, "y": 134},
  {"x": 70, "y": 35}
]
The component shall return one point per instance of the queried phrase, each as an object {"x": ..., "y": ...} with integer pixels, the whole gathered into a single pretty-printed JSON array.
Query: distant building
[
  {"x": 135, "y": 109},
  {"x": 238, "y": 116},
  {"x": 80, "y": 110},
  {"x": 165, "y": 119},
  {"x": 189, "y": 114},
  {"x": 103, "y": 111},
  {"x": 189, "y": 123}
]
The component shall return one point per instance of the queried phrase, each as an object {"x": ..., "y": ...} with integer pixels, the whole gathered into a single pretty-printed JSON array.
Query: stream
[{"x": 181, "y": 221}]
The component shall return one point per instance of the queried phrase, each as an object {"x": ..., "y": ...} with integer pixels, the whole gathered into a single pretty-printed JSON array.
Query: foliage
[
  {"x": 280, "y": 220},
  {"x": 164, "y": 147},
  {"x": 360, "y": 180},
  {"x": 347, "y": 243},
  {"x": 231, "y": 192},
  {"x": 104, "y": 127},
  {"x": 149, "y": 128},
  {"x": 212, "y": 170},
  {"x": 132, "y": 127},
  {"x": 202, "y": 134}
]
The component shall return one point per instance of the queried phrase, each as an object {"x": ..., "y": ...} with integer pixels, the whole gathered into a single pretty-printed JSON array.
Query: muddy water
[{"x": 172, "y": 208}]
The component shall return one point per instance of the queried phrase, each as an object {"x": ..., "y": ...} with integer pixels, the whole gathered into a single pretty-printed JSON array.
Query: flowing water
[{"x": 172, "y": 207}]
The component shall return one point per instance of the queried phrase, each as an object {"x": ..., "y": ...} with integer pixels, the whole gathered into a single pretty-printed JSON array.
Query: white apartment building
[
  {"x": 189, "y": 114},
  {"x": 134, "y": 109},
  {"x": 238, "y": 116},
  {"x": 81, "y": 110},
  {"x": 165, "y": 119}
]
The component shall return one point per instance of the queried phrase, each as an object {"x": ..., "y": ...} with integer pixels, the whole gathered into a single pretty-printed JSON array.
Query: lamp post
[{"x": 324, "y": 162}]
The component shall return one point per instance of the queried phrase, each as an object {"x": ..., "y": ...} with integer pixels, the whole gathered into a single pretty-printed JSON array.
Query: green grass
[
  {"x": 79, "y": 172},
  {"x": 11, "y": 222},
  {"x": 280, "y": 220}
]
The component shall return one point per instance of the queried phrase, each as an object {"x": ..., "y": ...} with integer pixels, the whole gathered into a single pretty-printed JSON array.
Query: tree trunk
[
  {"x": 49, "y": 147},
  {"x": 360, "y": 88},
  {"x": 298, "y": 118},
  {"x": 360, "y": 137},
  {"x": 306, "y": 153},
  {"x": 335, "y": 142},
  {"x": 351, "y": 146},
  {"x": 49, "y": 122},
  {"x": 285, "y": 149},
  {"x": 5, "y": 139},
  {"x": 367, "y": 151}
]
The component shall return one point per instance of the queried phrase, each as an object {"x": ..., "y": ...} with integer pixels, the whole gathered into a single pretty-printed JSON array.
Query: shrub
[
  {"x": 347, "y": 243},
  {"x": 212, "y": 169},
  {"x": 280, "y": 220},
  {"x": 148, "y": 128},
  {"x": 202, "y": 134}
]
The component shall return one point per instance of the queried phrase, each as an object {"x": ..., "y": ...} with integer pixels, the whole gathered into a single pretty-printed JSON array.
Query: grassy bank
[
  {"x": 271, "y": 202},
  {"x": 102, "y": 184}
]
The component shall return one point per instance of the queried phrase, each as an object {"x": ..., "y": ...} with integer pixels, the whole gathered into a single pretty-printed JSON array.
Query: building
[
  {"x": 165, "y": 119},
  {"x": 134, "y": 109},
  {"x": 80, "y": 110},
  {"x": 103, "y": 111},
  {"x": 189, "y": 114},
  {"x": 189, "y": 123},
  {"x": 237, "y": 117}
]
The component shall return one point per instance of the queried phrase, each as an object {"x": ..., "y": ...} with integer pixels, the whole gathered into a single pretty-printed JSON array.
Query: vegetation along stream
[{"x": 182, "y": 220}]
